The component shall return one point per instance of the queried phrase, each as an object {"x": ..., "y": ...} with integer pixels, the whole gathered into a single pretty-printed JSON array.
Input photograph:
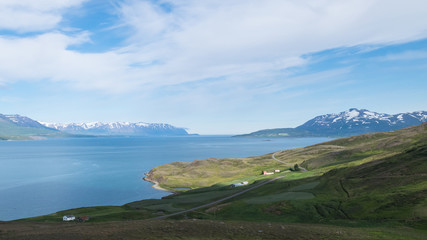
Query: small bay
[{"x": 42, "y": 177}]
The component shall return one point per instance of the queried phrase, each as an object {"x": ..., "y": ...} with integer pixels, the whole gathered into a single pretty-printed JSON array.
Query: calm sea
[{"x": 42, "y": 177}]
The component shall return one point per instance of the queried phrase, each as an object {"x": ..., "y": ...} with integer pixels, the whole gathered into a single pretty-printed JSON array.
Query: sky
[{"x": 211, "y": 66}]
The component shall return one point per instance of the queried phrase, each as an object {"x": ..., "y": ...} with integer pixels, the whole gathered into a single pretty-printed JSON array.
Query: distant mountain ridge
[
  {"x": 118, "y": 128},
  {"x": 348, "y": 123},
  {"x": 16, "y": 127}
]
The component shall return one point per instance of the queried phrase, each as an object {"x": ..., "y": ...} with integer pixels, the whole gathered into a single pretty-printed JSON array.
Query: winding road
[
  {"x": 274, "y": 157},
  {"x": 220, "y": 200}
]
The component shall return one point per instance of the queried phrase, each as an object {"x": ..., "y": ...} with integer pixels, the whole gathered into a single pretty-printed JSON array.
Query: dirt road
[{"x": 220, "y": 200}]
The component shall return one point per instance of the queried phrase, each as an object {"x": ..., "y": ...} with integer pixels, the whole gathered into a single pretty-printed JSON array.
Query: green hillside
[
  {"x": 318, "y": 159},
  {"x": 388, "y": 190},
  {"x": 373, "y": 177}
]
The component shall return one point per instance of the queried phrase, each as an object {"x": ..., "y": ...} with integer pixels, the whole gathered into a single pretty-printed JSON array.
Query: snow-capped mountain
[
  {"x": 352, "y": 122},
  {"x": 358, "y": 121},
  {"x": 22, "y": 121},
  {"x": 16, "y": 127},
  {"x": 118, "y": 128},
  {"x": 21, "y": 127}
]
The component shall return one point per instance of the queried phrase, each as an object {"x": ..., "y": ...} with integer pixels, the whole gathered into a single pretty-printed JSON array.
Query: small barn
[
  {"x": 267, "y": 173},
  {"x": 68, "y": 218},
  {"x": 83, "y": 218},
  {"x": 277, "y": 170}
]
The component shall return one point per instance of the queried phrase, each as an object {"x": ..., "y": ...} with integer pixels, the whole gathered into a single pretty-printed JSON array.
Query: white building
[{"x": 68, "y": 218}]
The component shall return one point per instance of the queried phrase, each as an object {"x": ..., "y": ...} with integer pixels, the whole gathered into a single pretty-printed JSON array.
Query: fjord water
[{"x": 42, "y": 177}]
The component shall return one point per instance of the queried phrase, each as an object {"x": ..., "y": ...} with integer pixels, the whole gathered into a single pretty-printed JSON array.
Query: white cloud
[
  {"x": 30, "y": 15},
  {"x": 47, "y": 57},
  {"x": 202, "y": 39},
  {"x": 245, "y": 41}
]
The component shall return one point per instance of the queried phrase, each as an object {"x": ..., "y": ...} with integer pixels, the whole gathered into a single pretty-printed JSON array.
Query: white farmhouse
[
  {"x": 267, "y": 173},
  {"x": 68, "y": 218}
]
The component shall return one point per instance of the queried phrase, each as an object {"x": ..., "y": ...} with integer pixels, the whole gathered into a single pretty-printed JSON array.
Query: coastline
[{"x": 156, "y": 185}]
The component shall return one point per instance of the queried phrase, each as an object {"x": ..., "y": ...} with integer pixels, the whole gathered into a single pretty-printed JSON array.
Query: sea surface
[{"x": 43, "y": 177}]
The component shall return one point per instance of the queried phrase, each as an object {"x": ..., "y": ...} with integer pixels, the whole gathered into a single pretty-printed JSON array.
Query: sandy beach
[{"x": 156, "y": 185}]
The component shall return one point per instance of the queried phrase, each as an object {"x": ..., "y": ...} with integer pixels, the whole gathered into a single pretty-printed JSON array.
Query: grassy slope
[
  {"x": 372, "y": 182},
  {"x": 10, "y": 131},
  {"x": 194, "y": 229},
  {"x": 318, "y": 158},
  {"x": 204, "y": 173},
  {"x": 373, "y": 178},
  {"x": 381, "y": 191}
]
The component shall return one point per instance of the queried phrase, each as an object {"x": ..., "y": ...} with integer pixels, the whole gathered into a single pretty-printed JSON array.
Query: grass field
[
  {"x": 198, "y": 229},
  {"x": 320, "y": 158}
]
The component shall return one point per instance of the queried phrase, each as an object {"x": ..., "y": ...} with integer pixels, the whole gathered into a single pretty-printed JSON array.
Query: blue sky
[{"x": 214, "y": 67}]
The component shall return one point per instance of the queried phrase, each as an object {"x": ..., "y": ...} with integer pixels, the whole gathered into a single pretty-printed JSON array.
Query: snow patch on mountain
[{"x": 351, "y": 114}]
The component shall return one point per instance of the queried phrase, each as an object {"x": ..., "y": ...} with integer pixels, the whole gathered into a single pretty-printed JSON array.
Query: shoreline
[{"x": 156, "y": 185}]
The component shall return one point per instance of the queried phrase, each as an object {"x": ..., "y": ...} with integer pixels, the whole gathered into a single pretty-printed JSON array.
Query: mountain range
[
  {"x": 348, "y": 123},
  {"x": 17, "y": 127},
  {"x": 118, "y": 128}
]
